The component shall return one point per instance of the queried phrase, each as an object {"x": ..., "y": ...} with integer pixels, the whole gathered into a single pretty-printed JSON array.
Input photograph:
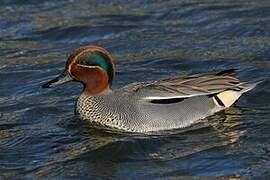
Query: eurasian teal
[{"x": 146, "y": 106}]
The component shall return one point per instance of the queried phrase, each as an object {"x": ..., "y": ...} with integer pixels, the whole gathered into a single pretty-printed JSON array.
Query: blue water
[{"x": 41, "y": 138}]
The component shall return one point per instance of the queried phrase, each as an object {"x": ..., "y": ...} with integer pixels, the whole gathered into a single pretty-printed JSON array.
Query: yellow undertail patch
[{"x": 227, "y": 98}]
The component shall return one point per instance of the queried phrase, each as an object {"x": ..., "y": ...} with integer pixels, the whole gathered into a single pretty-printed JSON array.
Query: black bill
[{"x": 63, "y": 78}]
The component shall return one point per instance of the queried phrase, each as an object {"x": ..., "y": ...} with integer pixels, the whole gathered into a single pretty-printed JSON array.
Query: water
[{"x": 41, "y": 138}]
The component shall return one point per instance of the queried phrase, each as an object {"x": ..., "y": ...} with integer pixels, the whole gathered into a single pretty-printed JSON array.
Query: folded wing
[{"x": 181, "y": 87}]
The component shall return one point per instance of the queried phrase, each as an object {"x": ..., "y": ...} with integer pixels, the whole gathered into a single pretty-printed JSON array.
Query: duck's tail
[
  {"x": 247, "y": 86},
  {"x": 227, "y": 98}
]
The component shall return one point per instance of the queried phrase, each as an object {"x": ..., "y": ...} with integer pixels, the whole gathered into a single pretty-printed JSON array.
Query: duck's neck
[
  {"x": 97, "y": 90},
  {"x": 97, "y": 83}
]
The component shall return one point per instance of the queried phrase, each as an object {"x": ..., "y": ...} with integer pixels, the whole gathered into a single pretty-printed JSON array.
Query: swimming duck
[{"x": 165, "y": 104}]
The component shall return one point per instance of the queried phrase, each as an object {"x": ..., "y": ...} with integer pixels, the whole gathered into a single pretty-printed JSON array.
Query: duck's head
[{"x": 92, "y": 66}]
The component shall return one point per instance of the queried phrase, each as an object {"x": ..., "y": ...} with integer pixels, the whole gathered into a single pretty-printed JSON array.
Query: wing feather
[{"x": 186, "y": 86}]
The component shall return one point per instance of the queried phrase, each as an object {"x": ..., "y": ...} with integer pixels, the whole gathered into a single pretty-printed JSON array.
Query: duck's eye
[
  {"x": 82, "y": 62},
  {"x": 87, "y": 58}
]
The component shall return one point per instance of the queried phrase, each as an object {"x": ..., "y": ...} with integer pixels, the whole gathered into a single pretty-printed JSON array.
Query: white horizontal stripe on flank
[{"x": 168, "y": 97}]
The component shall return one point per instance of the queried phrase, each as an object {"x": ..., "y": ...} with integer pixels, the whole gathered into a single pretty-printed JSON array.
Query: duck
[{"x": 147, "y": 106}]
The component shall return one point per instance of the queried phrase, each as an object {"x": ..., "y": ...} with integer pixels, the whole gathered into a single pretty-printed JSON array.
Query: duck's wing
[{"x": 188, "y": 86}]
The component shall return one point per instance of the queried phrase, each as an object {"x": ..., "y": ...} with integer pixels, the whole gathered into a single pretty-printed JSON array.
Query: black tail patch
[{"x": 219, "y": 101}]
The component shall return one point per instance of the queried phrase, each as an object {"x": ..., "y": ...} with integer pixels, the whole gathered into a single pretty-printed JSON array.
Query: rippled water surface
[{"x": 41, "y": 138}]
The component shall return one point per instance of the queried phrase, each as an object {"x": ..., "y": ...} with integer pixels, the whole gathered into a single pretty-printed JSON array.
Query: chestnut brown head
[{"x": 91, "y": 65}]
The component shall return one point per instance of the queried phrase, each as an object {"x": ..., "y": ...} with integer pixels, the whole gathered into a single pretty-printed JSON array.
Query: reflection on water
[
  {"x": 41, "y": 138},
  {"x": 101, "y": 147}
]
